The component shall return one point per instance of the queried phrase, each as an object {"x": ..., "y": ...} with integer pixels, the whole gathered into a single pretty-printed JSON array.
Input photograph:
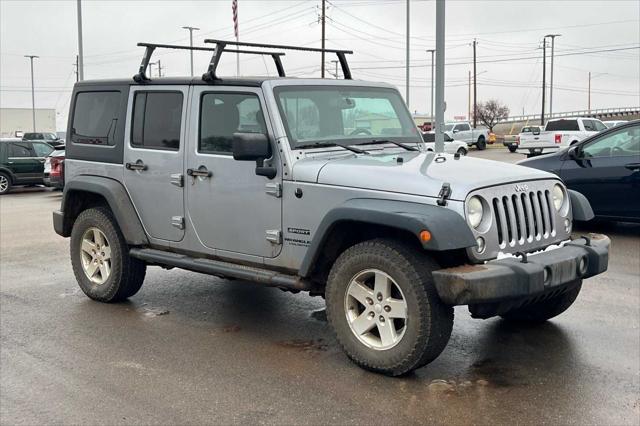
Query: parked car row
[
  {"x": 22, "y": 162},
  {"x": 604, "y": 167}
]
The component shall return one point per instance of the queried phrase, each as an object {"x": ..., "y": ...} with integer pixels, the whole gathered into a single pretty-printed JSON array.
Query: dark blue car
[{"x": 605, "y": 168}]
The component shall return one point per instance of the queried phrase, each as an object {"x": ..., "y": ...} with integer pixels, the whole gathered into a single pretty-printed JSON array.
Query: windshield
[{"x": 328, "y": 115}]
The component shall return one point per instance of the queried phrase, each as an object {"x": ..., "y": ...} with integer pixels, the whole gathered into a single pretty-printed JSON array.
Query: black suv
[{"x": 22, "y": 162}]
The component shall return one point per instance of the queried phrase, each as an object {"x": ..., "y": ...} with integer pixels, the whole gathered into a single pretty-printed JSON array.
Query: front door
[
  {"x": 607, "y": 172},
  {"x": 232, "y": 210},
  {"x": 153, "y": 156}
]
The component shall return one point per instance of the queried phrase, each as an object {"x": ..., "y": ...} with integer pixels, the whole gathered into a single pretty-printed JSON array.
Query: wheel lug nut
[
  {"x": 371, "y": 314},
  {"x": 387, "y": 308},
  {"x": 381, "y": 318},
  {"x": 369, "y": 301},
  {"x": 379, "y": 296}
]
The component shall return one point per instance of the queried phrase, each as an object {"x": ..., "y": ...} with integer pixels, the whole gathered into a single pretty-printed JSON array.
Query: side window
[
  {"x": 599, "y": 126},
  {"x": 625, "y": 142},
  {"x": 19, "y": 150},
  {"x": 588, "y": 125},
  {"x": 463, "y": 127},
  {"x": 94, "y": 118},
  {"x": 157, "y": 119},
  {"x": 222, "y": 115},
  {"x": 42, "y": 149}
]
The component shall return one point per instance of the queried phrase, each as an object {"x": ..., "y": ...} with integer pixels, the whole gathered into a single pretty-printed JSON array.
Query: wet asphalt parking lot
[{"x": 194, "y": 349}]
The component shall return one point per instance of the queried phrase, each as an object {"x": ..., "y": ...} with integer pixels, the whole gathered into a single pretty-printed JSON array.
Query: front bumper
[{"x": 513, "y": 278}]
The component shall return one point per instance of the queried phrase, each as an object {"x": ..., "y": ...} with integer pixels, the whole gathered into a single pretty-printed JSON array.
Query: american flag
[{"x": 234, "y": 8}]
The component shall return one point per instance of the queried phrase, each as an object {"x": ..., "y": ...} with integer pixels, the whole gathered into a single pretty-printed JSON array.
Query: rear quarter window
[{"x": 95, "y": 118}]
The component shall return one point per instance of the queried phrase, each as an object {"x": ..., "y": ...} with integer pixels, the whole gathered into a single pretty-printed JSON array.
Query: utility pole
[
  {"x": 191, "y": 30},
  {"x": 33, "y": 95},
  {"x": 475, "y": 86},
  {"x": 335, "y": 62},
  {"x": 440, "y": 105},
  {"x": 159, "y": 69},
  {"x": 432, "y": 51},
  {"x": 553, "y": 38},
  {"x": 151, "y": 64},
  {"x": 589, "y": 91},
  {"x": 408, "y": 52},
  {"x": 544, "y": 77},
  {"x": 469, "y": 97},
  {"x": 75, "y": 64},
  {"x": 80, "y": 50},
  {"x": 323, "y": 39}
]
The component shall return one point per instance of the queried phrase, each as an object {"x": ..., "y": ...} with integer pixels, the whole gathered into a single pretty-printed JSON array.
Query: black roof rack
[
  {"x": 150, "y": 47},
  {"x": 210, "y": 75}
]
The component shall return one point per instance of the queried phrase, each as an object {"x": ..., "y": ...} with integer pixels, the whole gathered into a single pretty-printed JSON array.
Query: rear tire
[
  {"x": 482, "y": 143},
  {"x": 545, "y": 309},
  {"x": 5, "y": 183},
  {"x": 100, "y": 258},
  {"x": 359, "y": 320},
  {"x": 513, "y": 148},
  {"x": 462, "y": 152}
]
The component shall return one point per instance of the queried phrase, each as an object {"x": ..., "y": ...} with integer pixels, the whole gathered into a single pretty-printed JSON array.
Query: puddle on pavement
[{"x": 304, "y": 345}]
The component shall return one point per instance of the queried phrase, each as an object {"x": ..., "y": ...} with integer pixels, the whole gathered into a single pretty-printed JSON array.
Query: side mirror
[
  {"x": 535, "y": 131},
  {"x": 254, "y": 147},
  {"x": 573, "y": 152},
  {"x": 455, "y": 130}
]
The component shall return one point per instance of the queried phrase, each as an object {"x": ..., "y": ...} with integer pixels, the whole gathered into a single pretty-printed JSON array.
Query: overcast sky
[{"x": 509, "y": 35}]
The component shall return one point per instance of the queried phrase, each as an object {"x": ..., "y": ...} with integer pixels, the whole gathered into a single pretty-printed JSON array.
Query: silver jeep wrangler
[{"x": 314, "y": 185}]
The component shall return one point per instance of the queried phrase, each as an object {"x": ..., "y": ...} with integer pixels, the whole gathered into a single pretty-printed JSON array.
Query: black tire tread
[
  {"x": 130, "y": 272},
  {"x": 439, "y": 317}
]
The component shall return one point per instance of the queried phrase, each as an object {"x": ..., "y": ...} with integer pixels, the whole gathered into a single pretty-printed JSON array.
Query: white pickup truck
[
  {"x": 463, "y": 131},
  {"x": 558, "y": 134}
]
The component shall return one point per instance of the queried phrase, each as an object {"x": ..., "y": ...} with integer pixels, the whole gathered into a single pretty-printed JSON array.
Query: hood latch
[{"x": 445, "y": 192}]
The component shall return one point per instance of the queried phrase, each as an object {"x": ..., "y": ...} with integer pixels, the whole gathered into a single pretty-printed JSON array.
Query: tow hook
[
  {"x": 523, "y": 255},
  {"x": 445, "y": 192}
]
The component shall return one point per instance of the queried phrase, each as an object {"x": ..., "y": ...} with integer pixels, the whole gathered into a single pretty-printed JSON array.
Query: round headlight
[
  {"x": 558, "y": 196},
  {"x": 474, "y": 212}
]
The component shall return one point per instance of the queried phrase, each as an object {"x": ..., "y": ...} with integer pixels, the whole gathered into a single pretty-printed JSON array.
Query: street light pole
[
  {"x": 335, "y": 62},
  {"x": 432, "y": 51},
  {"x": 80, "y": 48},
  {"x": 440, "y": 105},
  {"x": 191, "y": 30},
  {"x": 408, "y": 54},
  {"x": 553, "y": 38},
  {"x": 33, "y": 95}
]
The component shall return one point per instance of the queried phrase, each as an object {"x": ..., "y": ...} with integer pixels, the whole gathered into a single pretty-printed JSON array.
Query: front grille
[{"x": 525, "y": 217}]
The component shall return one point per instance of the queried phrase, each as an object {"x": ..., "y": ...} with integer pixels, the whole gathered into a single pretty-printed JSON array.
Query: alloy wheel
[{"x": 95, "y": 255}]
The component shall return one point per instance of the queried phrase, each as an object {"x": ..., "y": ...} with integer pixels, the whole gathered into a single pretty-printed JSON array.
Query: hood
[{"x": 416, "y": 174}]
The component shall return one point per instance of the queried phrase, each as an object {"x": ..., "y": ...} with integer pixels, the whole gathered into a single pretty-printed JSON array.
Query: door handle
[
  {"x": 138, "y": 166},
  {"x": 201, "y": 172},
  {"x": 632, "y": 166}
]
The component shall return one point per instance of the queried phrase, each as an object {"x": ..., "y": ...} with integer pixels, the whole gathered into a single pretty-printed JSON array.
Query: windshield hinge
[
  {"x": 274, "y": 189},
  {"x": 445, "y": 192}
]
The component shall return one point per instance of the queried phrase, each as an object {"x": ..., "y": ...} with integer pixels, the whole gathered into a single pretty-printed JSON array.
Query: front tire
[
  {"x": 384, "y": 309},
  {"x": 545, "y": 309},
  {"x": 5, "y": 183},
  {"x": 461, "y": 152},
  {"x": 100, "y": 258}
]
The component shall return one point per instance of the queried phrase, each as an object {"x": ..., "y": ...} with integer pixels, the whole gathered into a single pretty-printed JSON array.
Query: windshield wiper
[
  {"x": 345, "y": 146},
  {"x": 401, "y": 145}
]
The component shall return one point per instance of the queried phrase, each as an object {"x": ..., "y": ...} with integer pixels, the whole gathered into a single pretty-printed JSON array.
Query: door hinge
[
  {"x": 177, "y": 221},
  {"x": 177, "y": 179},
  {"x": 274, "y": 189},
  {"x": 274, "y": 236}
]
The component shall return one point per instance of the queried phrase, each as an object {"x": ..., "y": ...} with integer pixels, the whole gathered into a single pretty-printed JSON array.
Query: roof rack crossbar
[
  {"x": 150, "y": 48},
  {"x": 223, "y": 43}
]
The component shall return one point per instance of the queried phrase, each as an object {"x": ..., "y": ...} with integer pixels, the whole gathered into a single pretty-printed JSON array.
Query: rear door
[
  {"x": 23, "y": 161},
  {"x": 153, "y": 157},
  {"x": 463, "y": 133},
  {"x": 607, "y": 172}
]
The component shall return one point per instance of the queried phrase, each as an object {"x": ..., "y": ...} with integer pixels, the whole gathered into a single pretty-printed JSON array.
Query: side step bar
[{"x": 216, "y": 267}]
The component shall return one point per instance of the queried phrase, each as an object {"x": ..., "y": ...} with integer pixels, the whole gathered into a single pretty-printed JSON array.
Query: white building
[{"x": 14, "y": 120}]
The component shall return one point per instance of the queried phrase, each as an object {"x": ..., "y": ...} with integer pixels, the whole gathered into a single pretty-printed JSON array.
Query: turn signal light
[{"x": 425, "y": 236}]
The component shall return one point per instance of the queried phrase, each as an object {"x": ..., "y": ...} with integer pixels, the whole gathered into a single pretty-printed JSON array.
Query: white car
[
  {"x": 614, "y": 123},
  {"x": 451, "y": 146}
]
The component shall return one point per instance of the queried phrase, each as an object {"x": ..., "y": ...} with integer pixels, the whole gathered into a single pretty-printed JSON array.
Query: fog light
[
  {"x": 567, "y": 225},
  {"x": 582, "y": 266},
  {"x": 481, "y": 244}
]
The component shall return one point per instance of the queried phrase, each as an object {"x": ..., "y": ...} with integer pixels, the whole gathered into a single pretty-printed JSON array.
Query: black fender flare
[
  {"x": 449, "y": 230},
  {"x": 118, "y": 200},
  {"x": 580, "y": 206}
]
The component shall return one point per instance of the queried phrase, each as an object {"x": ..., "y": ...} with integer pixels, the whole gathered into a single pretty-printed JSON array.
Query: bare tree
[{"x": 492, "y": 111}]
